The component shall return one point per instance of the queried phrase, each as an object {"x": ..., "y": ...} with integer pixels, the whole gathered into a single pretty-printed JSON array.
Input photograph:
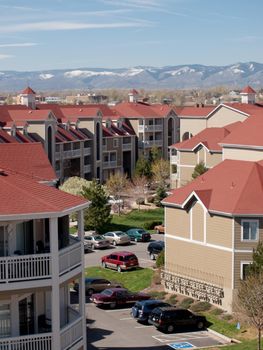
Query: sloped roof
[
  {"x": 32, "y": 114},
  {"x": 192, "y": 112},
  {"x": 28, "y": 91},
  {"x": 232, "y": 187},
  {"x": 209, "y": 137},
  {"x": 26, "y": 158},
  {"x": 141, "y": 110},
  {"x": 248, "y": 90}
]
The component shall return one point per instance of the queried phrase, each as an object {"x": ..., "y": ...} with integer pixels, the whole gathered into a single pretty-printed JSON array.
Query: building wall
[
  {"x": 213, "y": 159},
  {"x": 177, "y": 222},
  {"x": 219, "y": 230},
  {"x": 188, "y": 158},
  {"x": 242, "y": 154},
  {"x": 224, "y": 116},
  {"x": 191, "y": 125},
  {"x": 198, "y": 223}
]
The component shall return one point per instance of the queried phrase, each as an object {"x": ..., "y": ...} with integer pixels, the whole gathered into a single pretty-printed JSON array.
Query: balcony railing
[
  {"x": 126, "y": 146},
  {"x": 28, "y": 342},
  {"x": 150, "y": 143},
  {"x": 71, "y": 334},
  {"x": 150, "y": 128},
  {"x": 57, "y": 155},
  {"x": 87, "y": 168},
  {"x": 69, "y": 258},
  {"x": 111, "y": 164},
  {"x": 71, "y": 153},
  {"x": 25, "y": 267},
  {"x": 173, "y": 159},
  {"x": 87, "y": 151}
]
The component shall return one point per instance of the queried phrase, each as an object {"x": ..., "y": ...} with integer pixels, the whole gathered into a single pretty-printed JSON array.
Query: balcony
[
  {"x": 71, "y": 153},
  {"x": 69, "y": 258},
  {"x": 150, "y": 128},
  {"x": 87, "y": 151},
  {"x": 150, "y": 143},
  {"x": 110, "y": 164},
  {"x": 28, "y": 342},
  {"x": 173, "y": 159},
  {"x": 126, "y": 146},
  {"x": 72, "y": 333},
  {"x": 57, "y": 155},
  {"x": 87, "y": 168}
]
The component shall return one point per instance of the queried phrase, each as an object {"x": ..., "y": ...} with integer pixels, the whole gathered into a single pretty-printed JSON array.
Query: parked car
[
  {"x": 113, "y": 297},
  {"x": 138, "y": 234},
  {"x": 120, "y": 261},
  {"x": 117, "y": 237},
  {"x": 159, "y": 228},
  {"x": 96, "y": 242},
  {"x": 168, "y": 319},
  {"x": 142, "y": 309},
  {"x": 96, "y": 284},
  {"x": 155, "y": 248}
]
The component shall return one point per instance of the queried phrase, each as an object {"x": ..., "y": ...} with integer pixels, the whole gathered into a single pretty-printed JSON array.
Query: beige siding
[
  {"x": 201, "y": 155},
  {"x": 188, "y": 158},
  {"x": 39, "y": 129},
  {"x": 240, "y": 257},
  {"x": 219, "y": 230},
  {"x": 224, "y": 116},
  {"x": 135, "y": 125},
  {"x": 185, "y": 174},
  {"x": 193, "y": 126},
  {"x": 239, "y": 244},
  {"x": 198, "y": 222},
  {"x": 213, "y": 159},
  {"x": 242, "y": 154},
  {"x": 199, "y": 262},
  {"x": 177, "y": 222}
]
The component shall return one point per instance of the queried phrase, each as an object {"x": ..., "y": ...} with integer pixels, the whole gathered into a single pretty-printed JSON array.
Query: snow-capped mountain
[{"x": 172, "y": 77}]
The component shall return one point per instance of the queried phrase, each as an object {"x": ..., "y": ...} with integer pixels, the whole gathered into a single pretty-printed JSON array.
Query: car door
[
  {"x": 102, "y": 284},
  {"x": 185, "y": 318},
  {"x": 109, "y": 236},
  {"x": 131, "y": 234},
  {"x": 112, "y": 262},
  {"x": 89, "y": 241},
  {"x": 123, "y": 297}
]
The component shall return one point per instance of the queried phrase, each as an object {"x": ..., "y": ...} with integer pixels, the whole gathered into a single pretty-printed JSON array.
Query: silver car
[
  {"x": 117, "y": 237},
  {"x": 96, "y": 242}
]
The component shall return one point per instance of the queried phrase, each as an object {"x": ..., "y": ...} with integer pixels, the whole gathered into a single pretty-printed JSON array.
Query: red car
[
  {"x": 113, "y": 297},
  {"x": 120, "y": 261}
]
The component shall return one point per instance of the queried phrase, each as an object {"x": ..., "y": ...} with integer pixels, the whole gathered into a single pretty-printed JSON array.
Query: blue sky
[{"x": 50, "y": 34}]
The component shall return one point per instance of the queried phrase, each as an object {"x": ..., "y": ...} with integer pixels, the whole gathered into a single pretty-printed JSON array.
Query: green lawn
[
  {"x": 136, "y": 218},
  {"x": 134, "y": 280}
]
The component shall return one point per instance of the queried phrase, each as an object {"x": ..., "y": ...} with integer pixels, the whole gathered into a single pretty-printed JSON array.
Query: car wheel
[
  {"x": 200, "y": 325},
  {"x": 135, "y": 239},
  {"x": 157, "y": 231},
  {"x": 113, "y": 305},
  {"x": 90, "y": 291},
  {"x": 152, "y": 256},
  {"x": 170, "y": 328},
  {"x": 103, "y": 264},
  {"x": 114, "y": 243},
  {"x": 119, "y": 268},
  {"x": 92, "y": 247}
]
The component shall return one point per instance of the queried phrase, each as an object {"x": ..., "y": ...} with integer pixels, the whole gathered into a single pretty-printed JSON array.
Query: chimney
[
  {"x": 248, "y": 95},
  {"x": 133, "y": 96}
]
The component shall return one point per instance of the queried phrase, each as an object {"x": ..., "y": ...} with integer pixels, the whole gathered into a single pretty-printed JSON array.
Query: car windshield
[
  {"x": 140, "y": 230},
  {"x": 129, "y": 257},
  {"x": 119, "y": 234},
  {"x": 107, "y": 292},
  {"x": 98, "y": 238}
]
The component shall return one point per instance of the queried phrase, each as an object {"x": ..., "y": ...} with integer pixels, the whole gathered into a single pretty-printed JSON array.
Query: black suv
[
  {"x": 167, "y": 319},
  {"x": 142, "y": 309},
  {"x": 154, "y": 248}
]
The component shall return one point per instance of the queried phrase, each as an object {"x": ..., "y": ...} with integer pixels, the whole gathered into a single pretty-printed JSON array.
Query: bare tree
[
  {"x": 161, "y": 171},
  {"x": 139, "y": 188},
  {"x": 251, "y": 302},
  {"x": 116, "y": 184}
]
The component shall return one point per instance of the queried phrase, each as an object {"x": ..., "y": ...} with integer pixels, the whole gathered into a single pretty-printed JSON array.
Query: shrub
[
  {"x": 172, "y": 299},
  {"x": 149, "y": 225},
  {"x": 201, "y": 306},
  {"x": 156, "y": 277},
  {"x": 227, "y": 317},
  {"x": 158, "y": 295},
  {"x": 160, "y": 259},
  {"x": 150, "y": 199},
  {"x": 186, "y": 302},
  {"x": 139, "y": 201},
  {"x": 216, "y": 311}
]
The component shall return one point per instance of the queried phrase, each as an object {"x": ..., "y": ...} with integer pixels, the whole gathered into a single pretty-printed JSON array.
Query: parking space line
[
  {"x": 177, "y": 337},
  {"x": 144, "y": 327},
  {"x": 126, "y": 318},
  {"x": 118, "y": 310}
]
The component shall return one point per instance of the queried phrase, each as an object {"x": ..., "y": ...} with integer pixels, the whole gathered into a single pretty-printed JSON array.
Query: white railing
[
  {"x": 126, "y": 146},
  {"x": 111, "y": 164},
  {"x": 25, "y": 267},
  {"x": 69, "y": 258},
  {"x": 71, "y": 153},
  {"x": 28, "y": 342},
  {"x": 173, "y": 159},
  {"x": 87, "y": 168},
  {"x": 87, "y": 151},
  {"x": 57, "y": 155},
  {"x": 150, "y": 128},
  {"x": 150, "y": 143},
  {"x": 72, "y": 314},
  {"x": 5, "y": 326},
  {"x": 71, "y": 334}
]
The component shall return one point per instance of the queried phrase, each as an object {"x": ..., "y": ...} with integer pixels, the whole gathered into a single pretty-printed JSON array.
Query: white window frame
[
  {"x": 242, "y": 230},
  {"x": 242, "y": 263}
]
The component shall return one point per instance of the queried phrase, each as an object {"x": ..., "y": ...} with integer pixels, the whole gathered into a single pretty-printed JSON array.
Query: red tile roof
[
  {"x": 28, "y": 91},
  {"x": 232, "y": 187},
  {"x": 18, "y": 115},
  {"x": 26, "y": 158},
  {"x": 248, "y": 133},
  {"x": 209, "y": 137},
  {"x": 4, "y": 112},
  {"x": 6, "y": 138},
  {"x": 24, "y": 196},
  {"x": 194, "y": 112},
  {"x": 248, "y": 90},
  {"x": 141, "y": 110}
]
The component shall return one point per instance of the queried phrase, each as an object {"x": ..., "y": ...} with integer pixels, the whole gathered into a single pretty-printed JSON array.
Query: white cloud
[
  {"x": 19, "y": 45},
  {"x": 3, "y": 56},
  {"x": 63, "y": 25}
]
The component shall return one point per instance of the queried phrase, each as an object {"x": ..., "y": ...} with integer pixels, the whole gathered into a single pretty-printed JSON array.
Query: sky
[{"x": 59, "y": 34}]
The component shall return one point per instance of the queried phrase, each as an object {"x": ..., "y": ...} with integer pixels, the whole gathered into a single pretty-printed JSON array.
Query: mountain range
[{"x": 169, "y": 77}]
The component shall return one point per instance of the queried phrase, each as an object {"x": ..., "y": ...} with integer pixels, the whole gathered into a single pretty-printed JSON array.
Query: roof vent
[
  {"x": 81, "y": 110},
  {"x": 232, "y": 185},
  {"x": 202, "y": 179},
  {"x": 29, "y": 112},
  {"x": 2, "y": 172}
]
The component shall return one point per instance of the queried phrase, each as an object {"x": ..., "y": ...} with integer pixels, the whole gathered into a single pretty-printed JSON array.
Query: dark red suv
[{"x": 120, "y": 261}]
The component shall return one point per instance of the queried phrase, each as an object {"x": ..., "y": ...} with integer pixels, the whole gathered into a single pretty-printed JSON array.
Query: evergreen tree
[
  {"x": 160, "y": 195},
  {"x": 143, "y": 167},
  {"x": 199, "y": 169},
  {"x": 98, "y": 213},
  {"x": 256, "y": 266}
]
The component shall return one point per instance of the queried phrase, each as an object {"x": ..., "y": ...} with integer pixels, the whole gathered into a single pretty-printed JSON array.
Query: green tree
[
  {"x": 143, "y": 167},
  {"x": 160, "y": 195},
  {"x": 155, "y": 154},
  {"x": 199, "y": 169},
  {"x": 256, "y": 266},
  {"x": 116, "y": 184},
  {"x": 98, "y": 213}
]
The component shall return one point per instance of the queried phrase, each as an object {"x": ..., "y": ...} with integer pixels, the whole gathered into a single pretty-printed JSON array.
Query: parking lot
[
  {"x": 116, "y": 329},
  {"x": 139, "y": 249}
]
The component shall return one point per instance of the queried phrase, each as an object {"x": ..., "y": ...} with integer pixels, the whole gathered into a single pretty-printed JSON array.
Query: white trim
[
  {"x": 242, "y": 230},
  {"x": 199, "y": 243},
  {"x": 191, "y": 223},
  {"x": 226, "y": 106},
  {"x": 237, "y": 146},
  {"x": 242, "y": 263},
  {"x": 233, "y": 254},
  {"x": 193, "y": 193},
  {"x": 205, "y": 218},
  {"x": 243, "y": 250},
  {"x": 185, "y": 166}
]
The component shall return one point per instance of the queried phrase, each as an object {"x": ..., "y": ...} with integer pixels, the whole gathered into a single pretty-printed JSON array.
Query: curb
[{"x": 229, "y": 340}]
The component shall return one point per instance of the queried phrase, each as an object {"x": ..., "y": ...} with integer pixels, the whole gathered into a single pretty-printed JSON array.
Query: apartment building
[
  {"x": 38, "y": 257},
  {"x": 212, "y": 225}
]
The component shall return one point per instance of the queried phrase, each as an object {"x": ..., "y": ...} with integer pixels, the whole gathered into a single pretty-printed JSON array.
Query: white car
[{"x": 117, "y": 237}]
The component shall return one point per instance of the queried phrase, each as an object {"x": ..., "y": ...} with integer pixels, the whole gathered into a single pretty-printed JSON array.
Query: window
[
  {"x": 115, "y": 143},
  {"x": 249, "y": 230},
  {"x": 244, "y": 269}
]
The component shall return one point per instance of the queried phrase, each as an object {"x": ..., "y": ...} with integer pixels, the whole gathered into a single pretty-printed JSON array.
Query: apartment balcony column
[
  {"x": 82, "y": 293},
  {"x": 14, "y": 308},
  {"x": 55, "y": 300}
]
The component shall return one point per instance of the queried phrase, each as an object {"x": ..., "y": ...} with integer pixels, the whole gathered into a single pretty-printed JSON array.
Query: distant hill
[{"x": 172, "y": 77}]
